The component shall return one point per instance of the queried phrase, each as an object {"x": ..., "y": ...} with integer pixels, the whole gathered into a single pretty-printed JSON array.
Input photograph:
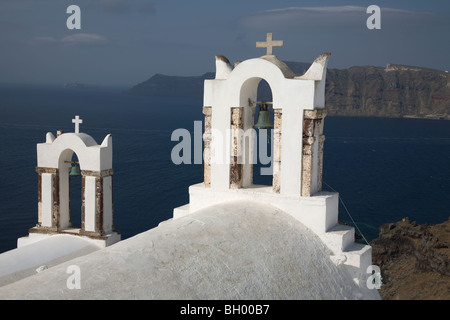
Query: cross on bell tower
[
  {"x": 77, "y": 122},
  {"x": 269, "y": 44}
]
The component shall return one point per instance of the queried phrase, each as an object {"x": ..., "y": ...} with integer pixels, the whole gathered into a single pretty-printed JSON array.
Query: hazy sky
[{"x": 124, "y": 42}]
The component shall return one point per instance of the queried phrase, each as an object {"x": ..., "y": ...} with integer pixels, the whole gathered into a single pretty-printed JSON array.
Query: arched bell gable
[
  {"x": 53, "y": 165},
  {"x": 231, "y": 97}
]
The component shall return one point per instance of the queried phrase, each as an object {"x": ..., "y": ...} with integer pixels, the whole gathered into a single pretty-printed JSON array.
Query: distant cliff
[
  {"x": 394, "y": 91},
  {"x": 414, "y": 260},
  {"x": 391, "y": 91}
]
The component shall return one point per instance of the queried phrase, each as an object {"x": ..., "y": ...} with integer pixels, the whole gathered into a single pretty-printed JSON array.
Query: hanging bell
[
  {"x": 75, "y": 171},
  {"x": 263, "y": 121}
]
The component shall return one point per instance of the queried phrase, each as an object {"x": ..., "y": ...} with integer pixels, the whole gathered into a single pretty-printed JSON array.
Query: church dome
[{"x": 233, "y": 250}]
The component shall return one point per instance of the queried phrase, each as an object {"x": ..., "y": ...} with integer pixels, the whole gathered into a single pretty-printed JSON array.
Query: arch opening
[
  {"x": 70, "y": 193},
  {"x": 263, "y": 143},
  {"x": 75, "y": 198},
  {"x": 256, "y": 145}
]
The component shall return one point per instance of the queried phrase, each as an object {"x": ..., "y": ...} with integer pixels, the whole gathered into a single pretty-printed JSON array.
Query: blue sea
[{"x": 383, "y": 169}]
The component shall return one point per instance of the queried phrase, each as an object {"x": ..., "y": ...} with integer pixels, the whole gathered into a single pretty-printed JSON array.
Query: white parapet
[{"x": 319, "y": 212}]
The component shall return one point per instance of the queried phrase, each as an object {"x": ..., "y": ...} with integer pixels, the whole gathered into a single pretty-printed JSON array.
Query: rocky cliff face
[
  {"x": 414, "y": 260},
  {"x": 394, "y": 91}
]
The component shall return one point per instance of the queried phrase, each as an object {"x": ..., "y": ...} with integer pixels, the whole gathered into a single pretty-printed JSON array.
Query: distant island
[
  {"x": 394, "y": 91},
  {"x": 78, "y": 85}
]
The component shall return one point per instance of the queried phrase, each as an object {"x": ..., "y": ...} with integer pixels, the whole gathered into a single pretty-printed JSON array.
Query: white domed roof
[{"x": 237, "y": 250}]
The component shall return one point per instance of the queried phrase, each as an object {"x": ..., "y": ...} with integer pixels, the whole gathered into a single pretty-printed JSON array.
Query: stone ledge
[
  {"x": 46, "y": 231},
  {"x": 99, "y": 174},
  {"x": 315, "y": 114},
  {"x": 42, "y": 170}
]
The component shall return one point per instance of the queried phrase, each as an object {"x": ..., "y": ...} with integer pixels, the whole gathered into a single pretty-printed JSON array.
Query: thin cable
[{"x": 345, "y": 207}]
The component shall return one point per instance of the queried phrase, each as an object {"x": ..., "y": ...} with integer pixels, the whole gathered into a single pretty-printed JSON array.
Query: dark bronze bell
[
  {"x": 263, "y": 121},
  {"x": 75, "y": 171}
]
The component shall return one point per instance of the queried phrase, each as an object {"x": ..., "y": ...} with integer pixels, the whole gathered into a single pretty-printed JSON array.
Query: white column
[
  {"x": 89, "y": 203},
  {"x": 220, "y": 148},
  {"x": 107, "y": 205},
  {"x": 291, "y": 150},
  {"x": 47, "y": 199}
]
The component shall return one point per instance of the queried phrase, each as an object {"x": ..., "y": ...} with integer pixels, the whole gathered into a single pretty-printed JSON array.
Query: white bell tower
[{"x": 54, "y": 162}]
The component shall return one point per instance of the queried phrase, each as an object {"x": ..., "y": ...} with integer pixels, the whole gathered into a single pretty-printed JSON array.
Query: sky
[{"x": 125, "y": 42}]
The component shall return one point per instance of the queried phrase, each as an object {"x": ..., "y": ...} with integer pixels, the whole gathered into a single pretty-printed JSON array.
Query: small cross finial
[
  {"x": 77, "y": 122},
  {"x": 269, "y": 44}
]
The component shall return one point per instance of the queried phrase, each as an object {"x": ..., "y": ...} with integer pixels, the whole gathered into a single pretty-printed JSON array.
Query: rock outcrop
[{"x": 414, "y": 260}]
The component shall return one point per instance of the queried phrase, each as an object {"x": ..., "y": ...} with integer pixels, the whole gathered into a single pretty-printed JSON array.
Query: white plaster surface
[
  {"x": 318, "y": 212},
  {"x": 237, "y": 250},
  {"x": 21, "y": 262}
]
